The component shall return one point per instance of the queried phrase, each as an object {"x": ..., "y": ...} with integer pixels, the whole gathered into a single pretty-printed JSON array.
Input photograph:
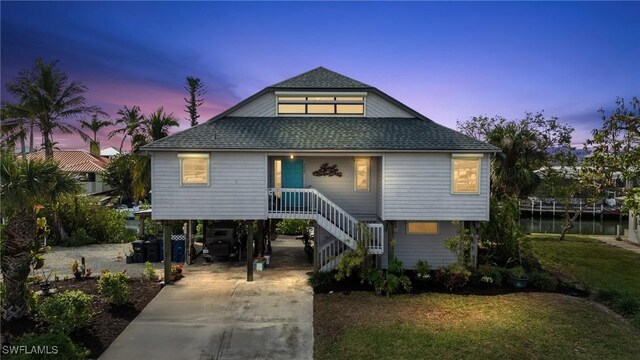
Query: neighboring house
[
  {"x": 323, "y": 146},
  {"x": 109, "y": 152},
  {"x": 88, "y": 167}
]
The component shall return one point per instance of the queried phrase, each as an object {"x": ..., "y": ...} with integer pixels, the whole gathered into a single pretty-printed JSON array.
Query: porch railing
[{"x": 285, "y": 203}]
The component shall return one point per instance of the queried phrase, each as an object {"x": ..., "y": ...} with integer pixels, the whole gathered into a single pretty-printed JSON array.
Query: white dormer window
[{"x": 321, "y": 105}]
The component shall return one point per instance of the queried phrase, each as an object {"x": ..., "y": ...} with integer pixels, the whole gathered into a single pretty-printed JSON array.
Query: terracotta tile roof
[{"x": 75, "y": 160}]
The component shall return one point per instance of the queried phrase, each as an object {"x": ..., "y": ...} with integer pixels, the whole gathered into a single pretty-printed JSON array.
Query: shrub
[
  {"x": 93, "y": 223},
  {"x": 494, "y": 273},
  {"x": 114, "y": 287},
  {"x": 67, "y": 350},
  {"x": 321, "y": 278},
  {"x": 454, "y": 277},
  {"x": 292, "y": 226},
  {"x": 501, "y": 235},
  {"x": 627, "y": 305},
  {"x": 67, "y": 311},
  {"x": 460, "y": 244},
  {"x": 80, "y": 238},
  {"x": 355, "y": 262},
  {"x": 149, "y": 272},
  {"x": 423, "y": 269},
  {"x": 518, "y": 272},
  {"x": 389, "y": 281},
  {"x": 543, "y": 281}
]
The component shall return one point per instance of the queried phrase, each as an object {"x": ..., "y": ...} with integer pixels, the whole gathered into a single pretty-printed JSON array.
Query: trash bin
[
  {"x": 152, "y": 249},
  {"x": 177, "y": 247},
  {"x": 139, "y": 254}
]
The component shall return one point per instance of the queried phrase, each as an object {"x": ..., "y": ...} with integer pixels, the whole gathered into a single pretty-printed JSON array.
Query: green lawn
[
  {"x": 589, "y": 262},
  {"x": 442, "y": 326}
]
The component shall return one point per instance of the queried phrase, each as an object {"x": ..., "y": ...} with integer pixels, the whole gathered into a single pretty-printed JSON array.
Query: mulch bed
[
  {"x": 349, "y": 285},
  {"x": 108, "y": 322}
]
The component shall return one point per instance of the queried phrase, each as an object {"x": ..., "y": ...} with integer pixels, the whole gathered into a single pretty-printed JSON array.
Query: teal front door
[{"x": 293, "y": 178}]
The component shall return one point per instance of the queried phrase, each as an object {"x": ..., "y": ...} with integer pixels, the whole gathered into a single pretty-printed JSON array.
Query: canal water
[{"x": 586, "y": 226}]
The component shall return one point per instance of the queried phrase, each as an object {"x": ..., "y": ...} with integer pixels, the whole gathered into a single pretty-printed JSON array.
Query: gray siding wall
[
  {"x": 340, "y": 190},
  {"x": 236, "y": 190},
  {"x": 418, "y": 187},
  {"x": 265, "y": 105},
  {"x": 379, "y": 107},
  {"x": 411, "y": 248}
]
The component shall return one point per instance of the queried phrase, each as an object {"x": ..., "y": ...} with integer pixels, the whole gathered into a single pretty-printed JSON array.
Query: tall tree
[
  {"x": 616, "y": 150},
  {"x": 47, "y": 96},
  {"x": 526, "y": 147},
  {"x": 130, "y": 120},
  {"x": 196, "y": 90},
  {"x": 25, "y": 186},
  {"x": 94, "y": 126}
]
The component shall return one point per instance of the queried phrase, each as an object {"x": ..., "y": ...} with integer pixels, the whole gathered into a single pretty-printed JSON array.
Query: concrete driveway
[{"x": 213, "y": 313}]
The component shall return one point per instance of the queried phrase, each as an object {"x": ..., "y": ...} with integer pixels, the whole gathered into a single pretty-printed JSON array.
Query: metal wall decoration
[{"x": 328, "y": 170}]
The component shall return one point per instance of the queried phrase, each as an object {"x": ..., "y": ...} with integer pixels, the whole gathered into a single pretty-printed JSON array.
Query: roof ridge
[
  {"x": 320, "y": 77},
  {"x": 295, "y": 76}
]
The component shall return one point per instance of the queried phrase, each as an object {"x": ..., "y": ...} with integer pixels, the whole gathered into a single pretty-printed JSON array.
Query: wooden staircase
[{"x": 286, "y": 203}]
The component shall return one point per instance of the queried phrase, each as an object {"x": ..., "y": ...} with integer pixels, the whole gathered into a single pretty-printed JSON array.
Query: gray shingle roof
[
  {"x": 321, "y": 78},
  {"x": 320, "y": 133}
]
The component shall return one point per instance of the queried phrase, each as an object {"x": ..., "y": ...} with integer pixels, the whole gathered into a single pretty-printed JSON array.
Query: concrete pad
[{"x": 213, "y": 313}]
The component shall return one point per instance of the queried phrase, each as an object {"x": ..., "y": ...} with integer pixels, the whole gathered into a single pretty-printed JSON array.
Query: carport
[{"x": 265, "y": 230}]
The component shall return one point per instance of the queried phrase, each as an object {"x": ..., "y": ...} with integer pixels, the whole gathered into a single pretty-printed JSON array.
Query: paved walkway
[
  {"x": 213, "y": 313},
  {"x": 611, "y": 240}
]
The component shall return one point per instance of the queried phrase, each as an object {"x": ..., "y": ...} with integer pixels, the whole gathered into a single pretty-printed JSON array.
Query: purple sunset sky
[{"x": 449, "y": 61}]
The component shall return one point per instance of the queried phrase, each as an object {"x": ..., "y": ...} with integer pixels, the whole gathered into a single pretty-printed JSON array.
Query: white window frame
[
  {"x": 478, "y": 158},
  {"x": 406, "y": 229},
  {"x": 311, "y": 94},
  {"x": 195, "y": 156},
  {"x": 355, "y": 173}
]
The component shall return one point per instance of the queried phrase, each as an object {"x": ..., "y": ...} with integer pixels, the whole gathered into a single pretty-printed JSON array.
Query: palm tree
[
  {"x": 131, "y": 120},
  {"x": 26, "y": 185},
  {"x": 46, "y": 95},
  {"x": 155, "y": 127},
  {"x": 158, "y": 124},
  {"x": 15, "y": 128},
  {"x": 513, "y": 170},
  {"x": 94, "y": 126}
]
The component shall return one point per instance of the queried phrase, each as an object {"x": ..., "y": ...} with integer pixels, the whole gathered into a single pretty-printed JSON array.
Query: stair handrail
[{"x": 322, "y": 207}]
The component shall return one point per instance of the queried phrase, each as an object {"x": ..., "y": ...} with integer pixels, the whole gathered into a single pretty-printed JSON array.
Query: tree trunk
[
  {"x": 57, "y": 223},
  {"x": 23, "y": 145},
  {"x": 16, "y": 259},
  {"x": 569, "y": 222},
  {"x": 48, "y": 147},
  {"x": 122, "y": 143},
  {"x": 31, "y": 138}
]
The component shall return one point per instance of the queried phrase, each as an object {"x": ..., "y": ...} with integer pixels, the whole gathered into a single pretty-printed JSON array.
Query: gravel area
[{"x": 97, "y": 258}]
